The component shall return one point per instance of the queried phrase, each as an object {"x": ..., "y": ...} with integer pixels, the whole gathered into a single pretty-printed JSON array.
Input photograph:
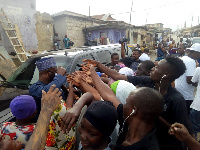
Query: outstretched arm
[
  {"x": 70, "y": 98},
  {"x": 111, "y": 73},
  {"x": 103, "y": 89},
  {"x": 39, "y": 136},
  {"x": 122, "y": 50},
  {"x": 89, "y": 88},
  {"x": 182, "y": 134},
  {"x": 71, "y": 116},
  {"x": 79, "y": 76}
]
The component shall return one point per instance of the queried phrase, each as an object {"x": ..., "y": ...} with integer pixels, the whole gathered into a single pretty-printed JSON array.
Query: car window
[
  {"x": 28, "y": 73},
  {"x": 23, "y": 74},
  {"x": 63, "y": 61}
]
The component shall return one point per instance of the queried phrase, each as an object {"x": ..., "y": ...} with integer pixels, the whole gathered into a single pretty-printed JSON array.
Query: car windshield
[{"x": 28, "y": 73}]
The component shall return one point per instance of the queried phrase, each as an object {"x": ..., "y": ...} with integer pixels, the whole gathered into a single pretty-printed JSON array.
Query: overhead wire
[{"x": 148, "y": 8}]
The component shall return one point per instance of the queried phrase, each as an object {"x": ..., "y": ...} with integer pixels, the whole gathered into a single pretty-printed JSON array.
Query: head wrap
[
  {"x": 113, "y": 86},
  {"x": 123, "y": 90},
  {"x": 45, "y": 63},
  {"x": 127, "y": 71},
  {"x": 103, "y": 116},
  {"x": 23, "y": 106}
]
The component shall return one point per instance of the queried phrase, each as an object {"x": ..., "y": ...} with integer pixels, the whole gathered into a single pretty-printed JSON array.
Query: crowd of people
[{"x": 131, "y": 103}]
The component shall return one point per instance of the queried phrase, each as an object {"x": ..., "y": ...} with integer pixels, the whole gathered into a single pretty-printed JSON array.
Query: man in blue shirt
[
  {"x": 66, "y": 41},
  {"x": 160, "y": 52},
  {"x": 49, "y": 74}
]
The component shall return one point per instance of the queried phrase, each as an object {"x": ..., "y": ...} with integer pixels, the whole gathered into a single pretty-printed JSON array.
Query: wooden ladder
[{"x": 11, "y": 33}]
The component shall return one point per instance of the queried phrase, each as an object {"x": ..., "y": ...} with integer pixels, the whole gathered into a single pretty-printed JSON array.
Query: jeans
[{"x": 195, "y": 119}]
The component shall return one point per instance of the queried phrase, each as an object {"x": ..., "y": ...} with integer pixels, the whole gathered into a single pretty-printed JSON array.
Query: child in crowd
[{"x": 97, "y": 125}]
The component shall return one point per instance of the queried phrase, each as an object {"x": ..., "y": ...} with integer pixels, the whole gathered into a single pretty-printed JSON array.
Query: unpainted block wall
[
  {"x": 60, "y": 28},
  {"x": 44, "y": 30},
  {"x": 73, "y": 27},
  {"x": 21, "y": 12}
]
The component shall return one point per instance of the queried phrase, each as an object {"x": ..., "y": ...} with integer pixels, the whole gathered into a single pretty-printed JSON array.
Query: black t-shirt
[
  {"x": 149, "y": 142},
  {"x": 174, "y": 111},
  {"x": 135, "y": 64},
  {"x": 142, "y": 81}
]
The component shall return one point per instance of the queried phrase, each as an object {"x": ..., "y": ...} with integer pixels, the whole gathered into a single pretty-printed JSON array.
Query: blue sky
[{"x": 172, "y": 13}]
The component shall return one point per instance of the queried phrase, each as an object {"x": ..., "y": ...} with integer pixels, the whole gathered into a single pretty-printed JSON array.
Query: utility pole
[
  {"x": 129, "y": 33},
  {"x": 146, "y": 18},
  {"x": 89, "y": 11},
  {"x": 131, "y": 11}
]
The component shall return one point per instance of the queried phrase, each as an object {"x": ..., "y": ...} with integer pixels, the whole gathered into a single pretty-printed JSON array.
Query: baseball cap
[{"x": 195, "y": 47}]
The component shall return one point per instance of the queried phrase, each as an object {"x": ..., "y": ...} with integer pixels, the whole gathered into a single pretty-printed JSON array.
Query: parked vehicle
[
  {"x": 196, "y": 40},
  {"x": 27, "y": 74}
]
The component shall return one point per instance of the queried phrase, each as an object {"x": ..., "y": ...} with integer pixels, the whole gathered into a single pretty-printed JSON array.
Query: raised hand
[
  {"x": 179, "y": 131},
  {"x": 71, "y": 86},
  {"x": 77, "y": 76},
  {"x": 73, "y": 79},
  {"x": 61, "y": 70},
  {"x": 51, "y": 100},
  {"x": 91, "y": 62},
  {"x": 69, "y": 119},
  {"x": 104, "y": 75},
  {"x": 86, "y": 69},
  {"x": 87, "y": 78},
  {"x": 69, "y": 78}
]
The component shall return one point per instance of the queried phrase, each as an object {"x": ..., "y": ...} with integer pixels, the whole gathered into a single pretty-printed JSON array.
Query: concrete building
[
  {"x": 72, "y": 24},
  {"x": 191, "y": 32},
  {"x": 108, "y": 33},
  {"x": 166, "y": 33},
  {"x": 21, "y": 13},
  {"x": 137, "y": 35},
  {"x": 44, "y": 30},
  {"x": 104, "y": 17},
  {"x": 157, "y": 26}
]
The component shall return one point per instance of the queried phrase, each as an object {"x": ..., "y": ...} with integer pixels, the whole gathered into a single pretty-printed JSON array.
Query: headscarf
[
  {"x": 23, "y": 106},
  {"x": 127, "y": 71},
  {"x": 103, "y": 116}
]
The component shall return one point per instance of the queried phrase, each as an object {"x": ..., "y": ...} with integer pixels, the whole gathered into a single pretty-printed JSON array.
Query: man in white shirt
[
  {"x": 145, "y": 56},
  {"x": 184, "y": 84},
  {"x": 195, "y": 106}
]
